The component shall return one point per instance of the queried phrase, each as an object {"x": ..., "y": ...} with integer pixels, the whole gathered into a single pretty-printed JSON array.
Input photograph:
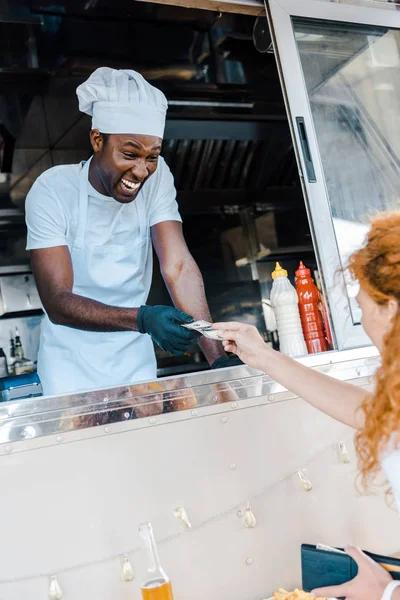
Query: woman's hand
[
  {"x": 245, "y": 341},
  {"x": 369, "y": 584}
]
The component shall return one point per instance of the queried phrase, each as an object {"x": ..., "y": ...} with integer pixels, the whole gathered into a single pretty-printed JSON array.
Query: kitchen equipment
[
  {"x": 18, "y": 293},
  {"x": 17, "y": 387}
]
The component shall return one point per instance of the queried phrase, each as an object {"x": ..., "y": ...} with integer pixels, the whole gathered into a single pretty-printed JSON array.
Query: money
[{"x": 205, "y": 329}]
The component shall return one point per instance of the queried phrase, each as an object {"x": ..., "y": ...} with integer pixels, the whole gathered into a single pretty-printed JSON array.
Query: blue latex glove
[
  {"x": 226, "y": 361},
  {"x": 162, "y": 323}
]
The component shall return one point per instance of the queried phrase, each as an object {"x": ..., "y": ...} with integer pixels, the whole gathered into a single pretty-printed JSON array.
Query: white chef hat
[{"x": 122, "y": 102}]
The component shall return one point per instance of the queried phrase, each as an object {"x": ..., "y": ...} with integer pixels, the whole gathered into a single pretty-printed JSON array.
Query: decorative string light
[
  {"x": 343, "y": 453},
  {"x": 305, "y": 483},
  {"x": 55, "y": 591},
  {"x": 249, "y": 519},
  {"x": 127, "y": 572},
  {"x": 181, "y": 515}
]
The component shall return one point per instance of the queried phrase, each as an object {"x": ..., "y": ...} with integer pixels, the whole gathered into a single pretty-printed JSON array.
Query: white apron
[{"x": 72, "y": 360}]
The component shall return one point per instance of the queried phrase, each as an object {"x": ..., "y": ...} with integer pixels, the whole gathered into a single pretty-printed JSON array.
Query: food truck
[{"x": 282, "y": 137}]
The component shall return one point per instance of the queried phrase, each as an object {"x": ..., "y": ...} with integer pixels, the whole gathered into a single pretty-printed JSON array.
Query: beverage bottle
[
  {"x": 157, "y": 585},
  {"x": 284, "y": 301},
  {"x": 19, "y": 351},
  {"x": 310, "y": 314},
  {"x": 3, "y": 364},
  {"x": 12, "y": 354}
]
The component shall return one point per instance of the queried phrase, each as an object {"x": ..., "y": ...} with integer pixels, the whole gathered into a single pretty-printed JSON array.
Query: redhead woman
[{"x": 376, "y": 415}]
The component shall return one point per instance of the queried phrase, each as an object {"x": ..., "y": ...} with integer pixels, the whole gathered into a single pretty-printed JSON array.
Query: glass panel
[
  {"x": 352, "y": 76},
  {"x": 37, "y": 417}
]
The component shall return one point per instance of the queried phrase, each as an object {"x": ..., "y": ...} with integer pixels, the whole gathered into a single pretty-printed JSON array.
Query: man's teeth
[{"x": 130, "y": 185}]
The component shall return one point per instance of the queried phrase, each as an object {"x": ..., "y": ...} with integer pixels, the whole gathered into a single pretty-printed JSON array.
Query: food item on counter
[
  {"x": 177, "y": 396},
  {"x": 284, "y": 301},
  {"x": 310, "y": 315},
  {"x": 23, "y": 366},
  {"x": 297, "y": 594},
  {"x": 157, "y": 585},
  {"x": 205, "y": 328}
]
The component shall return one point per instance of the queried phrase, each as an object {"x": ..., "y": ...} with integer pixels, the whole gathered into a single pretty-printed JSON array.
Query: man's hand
[
  {"x": 183, "y": 279},
  {"x": 369, "y": 584},
  {"x": 163, "y": 324}
]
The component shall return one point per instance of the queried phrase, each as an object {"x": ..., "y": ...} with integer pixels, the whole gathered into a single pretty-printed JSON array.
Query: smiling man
[{"x": 90, "y": 233}]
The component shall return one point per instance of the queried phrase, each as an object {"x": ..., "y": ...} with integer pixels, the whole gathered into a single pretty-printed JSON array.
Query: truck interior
[{"x": 227, "y": 138}]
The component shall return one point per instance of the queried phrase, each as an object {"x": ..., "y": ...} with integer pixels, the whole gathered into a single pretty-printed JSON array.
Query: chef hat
[{"x": 122, "y": 102}]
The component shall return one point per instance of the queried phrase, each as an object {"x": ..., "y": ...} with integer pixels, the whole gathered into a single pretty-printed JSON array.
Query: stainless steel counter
[{"x": 94, "y": 413}]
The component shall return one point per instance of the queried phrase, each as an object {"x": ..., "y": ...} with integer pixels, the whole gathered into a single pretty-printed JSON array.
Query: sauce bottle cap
[
  {"x": 279, "y": 272},
  {"x": 302, "y": 271}
]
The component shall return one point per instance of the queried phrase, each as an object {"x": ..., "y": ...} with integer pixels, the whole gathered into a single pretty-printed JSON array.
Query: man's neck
[{"x": 94, "y": 178}]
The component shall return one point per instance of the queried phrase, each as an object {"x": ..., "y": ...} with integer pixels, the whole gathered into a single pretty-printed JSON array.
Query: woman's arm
[{"x": 338, "y": 399}]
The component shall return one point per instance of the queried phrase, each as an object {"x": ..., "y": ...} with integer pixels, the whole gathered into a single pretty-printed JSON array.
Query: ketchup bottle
[{"x": 310, "y": 315}]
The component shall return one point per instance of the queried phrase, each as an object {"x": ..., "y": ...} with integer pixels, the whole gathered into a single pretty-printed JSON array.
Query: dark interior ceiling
[{"x": 207, "y": 65}]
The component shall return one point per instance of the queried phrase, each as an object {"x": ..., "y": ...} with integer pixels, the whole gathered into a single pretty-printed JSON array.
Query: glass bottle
[
  {"x": 12, "y": 354},
  {"x": 3, "y": 364},
  {"x": 157, "y": 585},
  {"x": 19, "y": 351}
]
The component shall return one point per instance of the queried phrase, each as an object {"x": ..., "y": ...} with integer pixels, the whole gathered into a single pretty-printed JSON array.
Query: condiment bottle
[
  {"x": 284, "y": 301},
  {"x": 19, "y": 351},
  {"x": 12, "y": 354},
  {"x": 324, "y": 311},
  {"x": 3, "y": 364},
  {"x": 310, "y": 314},
  {"x": 157, "y": 585}
]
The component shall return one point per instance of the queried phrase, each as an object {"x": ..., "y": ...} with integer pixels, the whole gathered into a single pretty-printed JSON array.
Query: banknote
[{"x": 205, "y": 328}]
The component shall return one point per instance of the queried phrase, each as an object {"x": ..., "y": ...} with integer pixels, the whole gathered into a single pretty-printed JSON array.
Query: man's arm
[
  {"x": 52, "y": 268},
  {"x": 183, "y": 279}
]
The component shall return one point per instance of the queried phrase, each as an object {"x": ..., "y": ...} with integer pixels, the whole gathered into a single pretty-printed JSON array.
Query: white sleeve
[
  {"x": 45, "y": 218},
  {"x": 163, "y": 204}
]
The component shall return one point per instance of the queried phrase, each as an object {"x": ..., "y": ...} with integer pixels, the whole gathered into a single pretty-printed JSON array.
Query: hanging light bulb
[
  {"x": 181, "y": 515},
  {"x": 249, "y": 519},
  {"x": 55, "y": 591},
  {"x": 305, "y": 483},
  {"x": 343, "y": 453},
  {"x": 127, "y": 572}
]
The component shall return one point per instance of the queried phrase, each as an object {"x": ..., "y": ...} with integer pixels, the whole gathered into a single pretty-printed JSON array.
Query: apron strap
[
  {"x": 83, "y": 209},
  {"x": 83, "y": 203}
]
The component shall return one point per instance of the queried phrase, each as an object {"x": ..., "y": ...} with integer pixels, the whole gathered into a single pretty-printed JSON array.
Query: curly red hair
[{"x": 377, "y": 268}]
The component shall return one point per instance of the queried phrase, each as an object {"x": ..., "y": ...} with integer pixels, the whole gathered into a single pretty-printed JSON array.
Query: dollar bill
[{"x": 204, "y": 328}]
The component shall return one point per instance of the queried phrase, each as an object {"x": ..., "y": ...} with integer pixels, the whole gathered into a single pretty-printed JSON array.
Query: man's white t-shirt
[
  {"x": 52, "y": 208},
  {"x": 70, "y": 359}
]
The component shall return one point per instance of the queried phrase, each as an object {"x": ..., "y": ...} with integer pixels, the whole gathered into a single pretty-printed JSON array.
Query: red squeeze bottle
[{"x": 310, "y": 315}]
